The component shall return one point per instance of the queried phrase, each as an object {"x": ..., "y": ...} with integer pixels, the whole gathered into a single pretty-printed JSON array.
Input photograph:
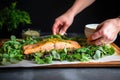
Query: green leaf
[
  {"x": 77, "y": 56},
  {"x": 83, "y": 50},
  {"x": 56, "y": 36},
  {"x": 55, "y": 54},
  {"x": 97, "y": 54},
  {"x": 65, "y": 50},
  {"x": 13, "y": 38},
  {"x": 63, "y": 56},
  {"x": 48, "y": 59},
  {"x": 38, "y": 60},
  {"x": 11, "y": 17},
  {"x": 84, "y": 57},
  {"x": 70, "y": 57}
]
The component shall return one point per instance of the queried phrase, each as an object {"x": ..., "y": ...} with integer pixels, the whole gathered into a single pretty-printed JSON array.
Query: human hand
[
  {"x": 106, "y": 32},
  {"x": 62, "y": 23}
]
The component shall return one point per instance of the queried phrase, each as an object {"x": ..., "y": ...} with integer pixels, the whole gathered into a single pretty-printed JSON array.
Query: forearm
[{"x": 78, "y": 6}]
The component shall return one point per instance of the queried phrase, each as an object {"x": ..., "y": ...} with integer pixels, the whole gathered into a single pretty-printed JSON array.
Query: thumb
[{"x": 96, "y": 35}]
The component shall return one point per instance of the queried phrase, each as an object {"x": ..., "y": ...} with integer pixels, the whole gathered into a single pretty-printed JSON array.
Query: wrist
[{"x": 71, "y": 12}]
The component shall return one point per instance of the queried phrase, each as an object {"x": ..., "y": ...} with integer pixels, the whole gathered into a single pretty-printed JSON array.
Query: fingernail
[{"x": 61, "y": 33}]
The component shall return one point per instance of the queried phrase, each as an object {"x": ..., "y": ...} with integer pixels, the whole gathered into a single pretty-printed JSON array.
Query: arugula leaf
[
  {"x": 38, "y": 60},
  {"x": 97, "y": 54},
  {"x": 85, "y": 57},
  {"x": 11, "y": 51},
  {"x": 55, "y": 55}
]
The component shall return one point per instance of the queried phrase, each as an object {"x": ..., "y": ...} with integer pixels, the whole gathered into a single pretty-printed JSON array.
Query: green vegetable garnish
[{"x": 11, "y": 52}]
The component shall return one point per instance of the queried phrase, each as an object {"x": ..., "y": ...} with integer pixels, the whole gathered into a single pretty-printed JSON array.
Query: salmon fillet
[{"x": 50, "y": 44}]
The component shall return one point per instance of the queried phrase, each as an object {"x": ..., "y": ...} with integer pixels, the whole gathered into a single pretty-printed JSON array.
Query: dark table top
[{"x": 60, "y": 74}]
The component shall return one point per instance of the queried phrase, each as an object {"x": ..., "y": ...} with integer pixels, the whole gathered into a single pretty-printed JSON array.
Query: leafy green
[
  {"x": 11, "y": 52},
  {"x": 37, "y": 59},
  {"x": 97, "y": 54},
  {"x": 29, "y": 40},
  {"x": 83, "y": 54},
  {"x": 55, "y": 54},
  {"x": 11, "y": 17},
  {"x": 40, "y": 60}
]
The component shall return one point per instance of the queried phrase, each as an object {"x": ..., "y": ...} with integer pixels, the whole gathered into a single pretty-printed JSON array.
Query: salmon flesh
[{"x": 50, "y": 44}]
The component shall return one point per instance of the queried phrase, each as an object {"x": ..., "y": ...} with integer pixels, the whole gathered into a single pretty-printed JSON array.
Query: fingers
[
  {"x": 100, "y": 41},
  {"x": 59, "y": 28},
  {"x": 56, "y": 27},
  {"x": 63, "y": 29},
  {"x": 96, "y": 35},
  {"x": 101, "y": 37}
]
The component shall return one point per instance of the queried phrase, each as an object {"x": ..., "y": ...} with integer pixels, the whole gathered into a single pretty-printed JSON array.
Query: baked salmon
[{"x": 50, "y": 44}]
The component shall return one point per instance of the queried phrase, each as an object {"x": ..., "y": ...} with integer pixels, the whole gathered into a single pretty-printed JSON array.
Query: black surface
[
  {"x": 60, "y": 74},
  {"x": 44, "y": 12}
]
